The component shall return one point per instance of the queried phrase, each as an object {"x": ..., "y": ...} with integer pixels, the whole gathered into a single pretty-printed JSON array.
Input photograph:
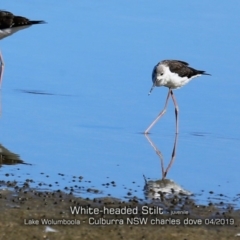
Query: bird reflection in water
[
  {"x": 164, "y": 188},
  {"x": 164, "y": 172},
  {"x": 0, "y": 103},
  {"x": 9, "y": 158}
]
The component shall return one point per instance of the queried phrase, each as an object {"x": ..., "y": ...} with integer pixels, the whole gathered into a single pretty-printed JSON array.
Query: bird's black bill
[{"x": 151, "y": 89}]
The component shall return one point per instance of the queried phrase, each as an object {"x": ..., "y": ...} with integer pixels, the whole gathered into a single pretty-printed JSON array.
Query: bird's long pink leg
[
  {"x": 1, "y": 69},
  {"x": 160, "y": 114},
  {"x": 176, "y": 109}
]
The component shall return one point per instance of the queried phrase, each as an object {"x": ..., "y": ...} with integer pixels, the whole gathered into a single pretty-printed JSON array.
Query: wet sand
[{"x": 30, "y": 214}]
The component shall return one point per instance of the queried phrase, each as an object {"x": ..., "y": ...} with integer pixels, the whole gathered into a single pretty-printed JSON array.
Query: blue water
[{"x": 94, "y": 61}]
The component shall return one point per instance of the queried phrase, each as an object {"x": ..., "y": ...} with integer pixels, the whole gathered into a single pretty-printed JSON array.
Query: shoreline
[{"x": 48, "y": 215}]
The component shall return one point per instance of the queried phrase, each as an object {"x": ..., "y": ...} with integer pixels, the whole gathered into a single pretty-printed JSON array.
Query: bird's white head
[{"x": 158, "y": 75}]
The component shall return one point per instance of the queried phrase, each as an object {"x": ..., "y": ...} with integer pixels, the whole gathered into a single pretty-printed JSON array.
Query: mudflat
[{"x": 30, "y": 214}]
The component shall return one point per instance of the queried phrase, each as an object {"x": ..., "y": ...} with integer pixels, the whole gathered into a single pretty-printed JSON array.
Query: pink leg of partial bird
[
  {"x": 1, "y": 69},
  {"x": 176, "y": 110},
  {"x": 160, "y": 114}
]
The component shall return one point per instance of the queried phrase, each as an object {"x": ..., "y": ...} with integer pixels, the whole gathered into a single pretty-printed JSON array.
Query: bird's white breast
[
  {"x": 9, "y": 31},
  {"x": 171, "y": 80}
]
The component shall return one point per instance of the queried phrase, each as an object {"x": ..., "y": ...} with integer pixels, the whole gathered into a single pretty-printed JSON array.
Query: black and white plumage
[
  {"x": 172, "y": 74},
  {"x": 9, "y": 24}
]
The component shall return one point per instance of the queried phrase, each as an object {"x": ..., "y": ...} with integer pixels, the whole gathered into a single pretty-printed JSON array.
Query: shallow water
[{"x": 74, "y": 98}]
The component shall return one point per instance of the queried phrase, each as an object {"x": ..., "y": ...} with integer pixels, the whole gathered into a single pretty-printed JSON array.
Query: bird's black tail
[
  {"x": 36, "y": 22},
  {"x": 203, "y": 73}
]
